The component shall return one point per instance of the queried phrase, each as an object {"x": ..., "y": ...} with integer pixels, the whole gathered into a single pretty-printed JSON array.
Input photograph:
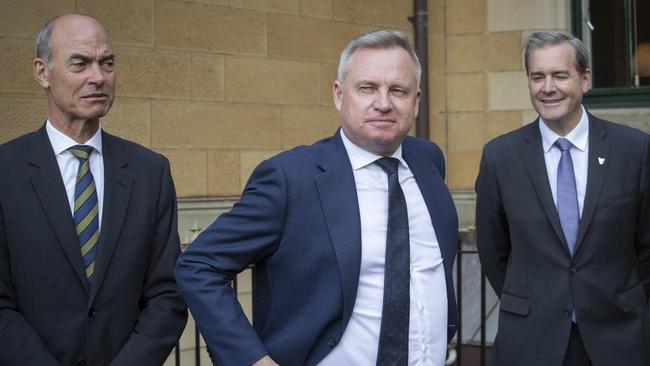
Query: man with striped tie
[{"x": 88, "y": 233}]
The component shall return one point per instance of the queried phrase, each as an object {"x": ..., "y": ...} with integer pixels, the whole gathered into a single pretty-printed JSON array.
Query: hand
[{"x": 265, "y": 361}]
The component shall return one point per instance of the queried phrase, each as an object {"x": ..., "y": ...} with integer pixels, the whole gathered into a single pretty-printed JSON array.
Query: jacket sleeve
[
  {"x": 163, "y": 312},
  {"x": 642, "y": 242},
  {"x": 493, "y": 240},
  {"x": 247, "y": 234},
  {"x": 21, "y": 345}
]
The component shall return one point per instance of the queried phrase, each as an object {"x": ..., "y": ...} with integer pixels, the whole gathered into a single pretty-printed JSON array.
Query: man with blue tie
[
  {"x": 353, "y": 238},
  {"x": 563, "y": 224},
  {"x": 88, "y": 233}
]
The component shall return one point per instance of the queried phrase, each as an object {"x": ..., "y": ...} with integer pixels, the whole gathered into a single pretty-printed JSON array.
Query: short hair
[
  {"x": 553, "y": 38},
  {"x": 43, "y": 44},
  {"x": 43, "y": 49},
  {"x": 379, "y": 39}
]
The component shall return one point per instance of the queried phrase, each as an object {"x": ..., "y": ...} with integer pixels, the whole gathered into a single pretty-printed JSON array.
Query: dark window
[{"x": 617, "y": 32}]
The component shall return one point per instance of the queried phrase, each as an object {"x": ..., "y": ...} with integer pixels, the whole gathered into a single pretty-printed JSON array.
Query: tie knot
[
  {"x": 81, "y": 152},
  {"x": 563, "y": 144},
  {"x": 388, "y": 165}
]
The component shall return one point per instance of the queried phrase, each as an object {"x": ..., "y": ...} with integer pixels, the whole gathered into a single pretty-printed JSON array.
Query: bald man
[{"x": 88, "y": 232}]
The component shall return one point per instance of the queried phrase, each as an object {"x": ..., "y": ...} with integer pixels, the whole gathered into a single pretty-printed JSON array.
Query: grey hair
[
  {"x": 43, "y": 49},
  {"x": 43, "y": 45},
  {"x": 553, "y": 38},
  {"x": 379, "y": 39}
]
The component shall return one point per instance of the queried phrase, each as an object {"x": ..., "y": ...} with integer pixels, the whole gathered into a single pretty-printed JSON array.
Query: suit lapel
[
  {"x": 533, "y": 154},
  {"x": 51, "y": 192},
  {"x": 599, "y": 147},
  {"x": 338, "y": 196},
  {"x": 117, "y": 192}
]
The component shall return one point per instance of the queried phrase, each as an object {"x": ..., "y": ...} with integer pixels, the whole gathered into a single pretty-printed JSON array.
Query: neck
[
  {"x": 79, "y": 130},
  {"x": 563, "y": 127}
]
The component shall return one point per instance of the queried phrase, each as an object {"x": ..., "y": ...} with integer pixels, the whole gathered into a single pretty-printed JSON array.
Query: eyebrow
[
  {"x": 366, "y": 82},
  {"x": 561, "y": 71},
  {"x": 86, "y": 58}
]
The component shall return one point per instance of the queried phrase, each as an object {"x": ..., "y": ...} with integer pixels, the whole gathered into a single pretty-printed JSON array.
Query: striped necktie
[{"x": 86, "y": 210}]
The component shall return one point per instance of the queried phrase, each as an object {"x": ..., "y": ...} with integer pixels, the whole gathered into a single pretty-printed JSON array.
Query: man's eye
[
  {"x": 108, "y": 65},
  {"x": 77, "y": 65},
  {"x": 398, "y": 92},
  {"x": 366, "y": 89}
]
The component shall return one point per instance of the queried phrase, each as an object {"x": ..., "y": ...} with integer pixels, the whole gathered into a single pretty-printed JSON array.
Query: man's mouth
[
  {"x": 551, "y": 101},
  {"x": 380, "y": 120},
  {"x": 95, "y": 96}
]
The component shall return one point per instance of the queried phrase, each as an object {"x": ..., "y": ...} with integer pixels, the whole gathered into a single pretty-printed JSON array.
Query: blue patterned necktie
[
  {"x": 86, "y": 210},
  {"x": 567, "y": 195},
  {"x": 394, "y": 333}
]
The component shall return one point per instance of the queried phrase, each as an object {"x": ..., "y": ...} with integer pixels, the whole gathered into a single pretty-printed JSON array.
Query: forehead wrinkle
[{"x": 79, "y": 34}]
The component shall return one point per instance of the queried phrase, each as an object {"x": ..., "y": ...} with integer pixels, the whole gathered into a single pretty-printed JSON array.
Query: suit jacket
[
  {"x": 526, "y": 258},
  {"x": 298, "y": 221},
  {"x": 133, "y": 313}
]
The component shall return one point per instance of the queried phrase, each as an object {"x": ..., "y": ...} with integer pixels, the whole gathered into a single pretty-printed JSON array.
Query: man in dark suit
[
  {"x": 88, "y": 233},
  {"x": 336, "y": 264},
  {"x": 563, "y": 224}
]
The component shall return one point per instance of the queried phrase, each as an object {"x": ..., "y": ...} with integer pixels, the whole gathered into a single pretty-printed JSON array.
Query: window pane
[
  {"x": 608, "y": 43},
  {"x": 641, "y": 60}
]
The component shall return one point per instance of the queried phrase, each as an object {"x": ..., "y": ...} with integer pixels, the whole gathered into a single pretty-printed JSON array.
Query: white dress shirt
[
  {"x": 69, "y": 165},
  {"x": 428, "y": 291},
  {"x": 579, "y": 137}
]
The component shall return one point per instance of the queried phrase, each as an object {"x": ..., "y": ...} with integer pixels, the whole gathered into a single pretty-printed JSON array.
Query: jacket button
[
  {"x": 331, "y": 342},
  {"x": 81, "y": 362},
  {"x": 567, "y": 313},
  {"x": 91, "y": 313},
  {"x": 574, "y": 271}
]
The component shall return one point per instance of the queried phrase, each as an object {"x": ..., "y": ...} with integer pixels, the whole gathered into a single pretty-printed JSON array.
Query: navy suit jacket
[
  {"x": 133, "y": 314},
  {"x": 298, "y": 222},
  {"x": 526, "y": 259}
]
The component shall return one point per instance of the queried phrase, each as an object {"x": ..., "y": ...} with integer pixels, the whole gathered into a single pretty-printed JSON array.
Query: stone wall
[{"x": 215, "y": 85}]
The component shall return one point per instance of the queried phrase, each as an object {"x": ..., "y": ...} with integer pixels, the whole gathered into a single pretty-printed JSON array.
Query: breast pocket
[
  {"x": 138, "y": 233},
  {"x": 621, "y": 200}
]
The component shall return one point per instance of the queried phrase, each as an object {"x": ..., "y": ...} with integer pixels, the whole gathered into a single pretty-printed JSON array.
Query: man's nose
[
  {"x": 96, "y": 74},
  {"x": 549, "y": 85},
  {"x": 382, "y": 101}
]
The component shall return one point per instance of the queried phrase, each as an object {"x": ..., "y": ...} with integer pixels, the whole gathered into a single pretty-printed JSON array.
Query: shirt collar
[
  {"x": 360, "y": 157},
  {"x": 578, "y": 136},
  {"x": 61, "y": 143}
]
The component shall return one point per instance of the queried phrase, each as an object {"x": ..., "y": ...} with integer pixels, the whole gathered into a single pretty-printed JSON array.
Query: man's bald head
[{"x": 43, "y": 39}]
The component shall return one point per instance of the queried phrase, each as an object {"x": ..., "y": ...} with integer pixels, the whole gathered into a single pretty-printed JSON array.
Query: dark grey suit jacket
[
  {"x": 526, "y": 259},
  {"x": 133, "y": 314}
]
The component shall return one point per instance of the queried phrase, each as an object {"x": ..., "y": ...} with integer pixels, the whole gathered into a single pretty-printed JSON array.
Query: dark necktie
[
  {"x": 394, "y": 333},
  {"x": 86, "y": 210},
  {"x": 567, "y": 195}
]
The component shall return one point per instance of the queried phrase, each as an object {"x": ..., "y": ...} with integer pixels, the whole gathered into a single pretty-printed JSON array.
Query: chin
[
  {"x": 97, "y": 112},
  {"x": 384, "y": 139},
  {"x": 550, "y": 114}
]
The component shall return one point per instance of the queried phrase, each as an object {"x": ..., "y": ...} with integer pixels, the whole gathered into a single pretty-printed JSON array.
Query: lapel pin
[{"x": 601, "y": 161}]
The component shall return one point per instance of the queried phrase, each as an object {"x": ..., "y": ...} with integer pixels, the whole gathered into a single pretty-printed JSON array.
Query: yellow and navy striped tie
[{"x": 86, "y": 209}]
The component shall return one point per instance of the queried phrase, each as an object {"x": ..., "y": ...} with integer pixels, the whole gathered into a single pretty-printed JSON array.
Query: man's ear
[
  {"x": 586, "y": 80},
  {"x": 418, "y": 95},
  {"x": 337, "y": 94},
  {"x": 41, "y": 72}
]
